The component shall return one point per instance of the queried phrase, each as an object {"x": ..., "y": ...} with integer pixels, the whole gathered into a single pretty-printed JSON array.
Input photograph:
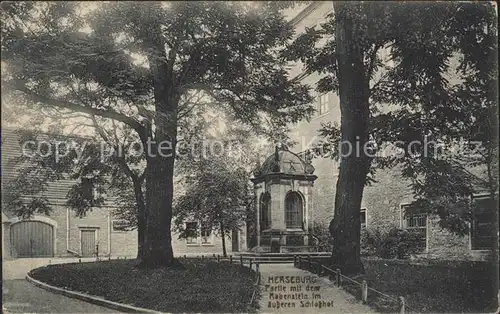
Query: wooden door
[
  {"x": 32, "y": 239},
  {"x": 88, "y": 242}
]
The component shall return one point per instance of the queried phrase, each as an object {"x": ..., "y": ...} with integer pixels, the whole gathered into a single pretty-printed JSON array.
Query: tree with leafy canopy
[
  {"x": 217, "y": 195},
  {"x": 421, "y": 42},
  {"x": 108, "y": 158},
  {"x": 227, "y": 49},
  {"x": 216, "y": 182}
]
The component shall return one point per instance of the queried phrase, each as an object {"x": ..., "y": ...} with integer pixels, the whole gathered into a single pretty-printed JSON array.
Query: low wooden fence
[
  {"x": 336, "y": 276},
  {"x": 242, "y": 261}
]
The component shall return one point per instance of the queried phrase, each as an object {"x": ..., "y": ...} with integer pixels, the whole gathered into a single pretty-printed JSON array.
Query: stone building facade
[
  {"x": 384, "y": 202},
  {"x": 61, "y": 233}
]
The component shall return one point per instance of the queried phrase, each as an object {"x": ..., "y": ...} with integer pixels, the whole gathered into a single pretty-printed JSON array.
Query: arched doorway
[
  {"x": 32, "y": 239},
  {"x": 294, "y": 210}
]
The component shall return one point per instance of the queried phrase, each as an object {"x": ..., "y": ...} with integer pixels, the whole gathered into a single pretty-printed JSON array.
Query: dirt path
[
  {"x": 285, "y": 288},
  {"x": 19, "y": 296}
]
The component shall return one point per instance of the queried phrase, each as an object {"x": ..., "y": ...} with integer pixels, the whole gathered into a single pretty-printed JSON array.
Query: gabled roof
[{"x": 11, "y": 149}]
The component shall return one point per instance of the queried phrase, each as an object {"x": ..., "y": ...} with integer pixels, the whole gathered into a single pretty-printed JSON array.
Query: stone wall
[
  {"x": 124, "y": 243},
  {"x": 95, "y": 219},
  {"x": 383, "y": 200},
  {"x": 441, "y": 243},
  {"x": 180, "y": 246}
]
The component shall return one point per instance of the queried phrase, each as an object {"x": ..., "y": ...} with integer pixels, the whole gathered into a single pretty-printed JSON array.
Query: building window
[
  {"x": 323, "y": 104},
  {"x": 191, "y": 232},
  {"x": 119, "y": 225},
  {"x": 265, "y": 211},
  {"x": 362, "y": 217},
  {"x": 482, "y": 229},
  {"x": 88, "y": 189},
  {"x": 206, "y": 233},
  {"x": 415, "y": 221},
  {"x": 293, "y": 211}
]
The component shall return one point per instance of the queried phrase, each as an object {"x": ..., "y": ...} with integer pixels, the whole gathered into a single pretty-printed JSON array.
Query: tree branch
[
  {"x": 78, "y": 108},
  {"x": 373, "y": 58},
  {"x": 121, "y": 159}
]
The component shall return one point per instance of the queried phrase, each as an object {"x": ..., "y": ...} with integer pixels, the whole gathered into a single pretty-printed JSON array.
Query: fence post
[
  {"x": 230, "y": 259},
  {"x": 300, "y": 262},
  {"x": 319, "y": 268},
  {"x": 339, "y": 278},
  {"x": 203, "y": 257},
  {"x": 295, "y": 260},
  {"x": 79, "y": 260},
  {"x": 185, "y": 256},
  {"x": 241, "y": 260},
  {"x": 364, "y": 291},
  {"x": 401, "y": 305},
  {"x": 218, "y": 258},
  {"x": 331, "y": 275},
  {"x": 250, "y": 264},
  {"x": 257, "y": 269}
]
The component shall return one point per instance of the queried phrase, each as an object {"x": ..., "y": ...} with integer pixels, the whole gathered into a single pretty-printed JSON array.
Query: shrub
[
  {"x": 396, "y": 243},
  {"x": 322, "y": 238},
  {"x": 401, "y": 244},
  {"x": 370, "y": 241}
]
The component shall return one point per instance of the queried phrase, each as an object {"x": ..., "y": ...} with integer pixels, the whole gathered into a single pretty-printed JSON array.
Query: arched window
[
  {"x": 293, "y": 210},
  {"x": 265, "y": 211}
]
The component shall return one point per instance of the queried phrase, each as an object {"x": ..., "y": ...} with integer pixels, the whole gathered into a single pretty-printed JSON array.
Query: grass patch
[
  {"x": 436, "y": 287},
  {"x": 203, "y": 286}
]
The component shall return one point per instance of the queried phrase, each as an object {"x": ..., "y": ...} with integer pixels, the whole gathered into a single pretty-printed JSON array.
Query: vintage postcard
[{"x": 249, "y": 157}]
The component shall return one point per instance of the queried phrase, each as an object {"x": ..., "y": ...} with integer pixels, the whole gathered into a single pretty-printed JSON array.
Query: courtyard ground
[
  {"x": 201, "y": 286},
  {"x": 20, "y": 296},
  {"x": 432, "y": 287},
  {"x": 427, "y": 286}
]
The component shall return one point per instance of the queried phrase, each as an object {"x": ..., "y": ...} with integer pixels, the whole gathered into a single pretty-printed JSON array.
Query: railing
[
  {"x": 337, "y": 277},
  {"x": 242, "y": 261},
  {"x": 291, "y": 238}
]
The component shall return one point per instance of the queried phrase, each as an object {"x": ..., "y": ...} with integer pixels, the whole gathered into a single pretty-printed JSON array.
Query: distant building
[{"x": 63, "y": 234}]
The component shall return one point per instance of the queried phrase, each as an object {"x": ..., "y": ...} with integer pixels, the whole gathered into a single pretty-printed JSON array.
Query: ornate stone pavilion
[{"x": 283, "y": 187}]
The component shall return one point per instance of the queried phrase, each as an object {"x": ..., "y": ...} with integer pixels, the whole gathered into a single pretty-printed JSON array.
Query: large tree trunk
[
  {"x": 354, "y": 164},
  {"x": 160, "y": 155},
  {"x": 158, "y": 250},
  {"x": 141, "y": 219}
]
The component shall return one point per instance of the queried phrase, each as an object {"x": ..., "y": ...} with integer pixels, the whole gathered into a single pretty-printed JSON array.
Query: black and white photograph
[{"x": 249, "y": 157}]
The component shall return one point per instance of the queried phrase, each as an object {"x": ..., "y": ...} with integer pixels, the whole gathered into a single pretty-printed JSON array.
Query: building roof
[
  {"x": 56, "y": 191},
  {"x": 305, "y": 12},
  {"x": 285, "y": 162}
]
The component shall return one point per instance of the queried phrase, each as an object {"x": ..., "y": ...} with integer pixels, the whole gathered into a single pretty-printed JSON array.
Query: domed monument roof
[{"x": 285, "y": 162}]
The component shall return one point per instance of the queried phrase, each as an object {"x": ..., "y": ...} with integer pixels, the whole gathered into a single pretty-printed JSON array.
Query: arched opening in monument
[
  {"x": 265, "y": 211},
  {"x": 294, "y": 210}
]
